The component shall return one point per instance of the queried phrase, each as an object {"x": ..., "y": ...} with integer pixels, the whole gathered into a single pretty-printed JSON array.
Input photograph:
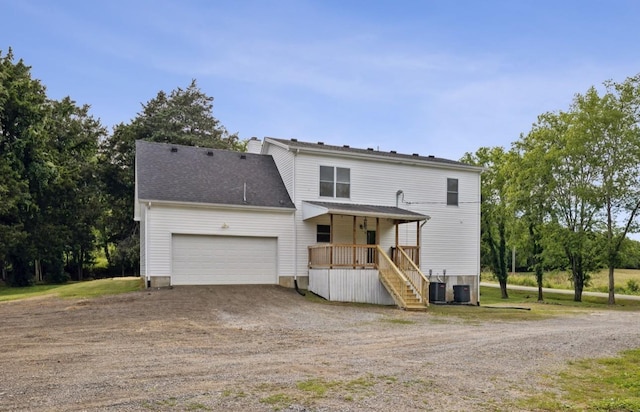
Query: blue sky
[{"x": 428, "y": 77}]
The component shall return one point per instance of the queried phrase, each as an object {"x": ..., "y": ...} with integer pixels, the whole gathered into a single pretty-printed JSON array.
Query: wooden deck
[{"x": 399, "y": 274}]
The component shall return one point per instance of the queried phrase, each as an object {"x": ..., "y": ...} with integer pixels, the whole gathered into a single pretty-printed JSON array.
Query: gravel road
[{"x": 263, "y": 348}]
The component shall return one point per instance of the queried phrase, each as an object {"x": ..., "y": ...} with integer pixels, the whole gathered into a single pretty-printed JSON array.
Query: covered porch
[{"x": 363, "y": 259}]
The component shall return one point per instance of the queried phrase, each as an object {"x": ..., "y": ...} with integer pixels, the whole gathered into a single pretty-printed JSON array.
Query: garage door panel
[
  {"x": 222, "y": 260},
  {"x": 222, "y": 280}
]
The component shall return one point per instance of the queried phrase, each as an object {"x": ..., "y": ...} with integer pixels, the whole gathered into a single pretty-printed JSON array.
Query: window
[
  {"x": 326, "y": 181},
  {"x": 324, "y": 234},
  {"x": 335, "y": 181},
  {"x": 452, "y": 192}
]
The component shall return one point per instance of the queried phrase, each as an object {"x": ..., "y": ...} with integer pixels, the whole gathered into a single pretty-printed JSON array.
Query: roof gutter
[{"x": 220, "y": 205}]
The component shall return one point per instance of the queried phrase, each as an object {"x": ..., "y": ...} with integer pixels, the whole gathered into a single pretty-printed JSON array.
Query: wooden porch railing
[
  {"x": 407, "y": 265},
  {"x": 343, "y": 256},
  {"x": 412, "y": 251}
]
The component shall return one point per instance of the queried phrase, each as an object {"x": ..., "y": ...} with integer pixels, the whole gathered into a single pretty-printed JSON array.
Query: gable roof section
[
  {"x": 175, "y": 173},
  {"x": 377, "y": 154}
]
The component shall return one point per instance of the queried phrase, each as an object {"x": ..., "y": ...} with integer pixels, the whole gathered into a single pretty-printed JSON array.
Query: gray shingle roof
[
  {"x": 294, "y": 143},
  {"x": 168, "y": 172},
  {"x": 351, "y": 209}
]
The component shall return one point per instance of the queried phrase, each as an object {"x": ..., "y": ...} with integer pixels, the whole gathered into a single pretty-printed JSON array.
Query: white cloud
[{"x": 299, "y": 70}]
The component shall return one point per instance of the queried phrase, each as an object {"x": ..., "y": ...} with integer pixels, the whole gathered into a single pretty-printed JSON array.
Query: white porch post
[
  {"x": 331, "y": 240},
  {"x": 377, "y": 239},
  {"x": 417, "y": 256}
]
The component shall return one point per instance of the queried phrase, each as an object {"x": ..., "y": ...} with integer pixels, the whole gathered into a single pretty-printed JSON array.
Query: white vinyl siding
[
  {"x": 167, "y": 220},
  {"x": 284, "y": 162},
  {"x": 143, "y": 242},
  {"x": 223, "y": 260},
  {"x": 346, "y": 285},
  {"x": 450, "y": 238}
]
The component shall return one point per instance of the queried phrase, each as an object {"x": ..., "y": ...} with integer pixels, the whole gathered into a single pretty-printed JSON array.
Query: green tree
[
  {"x": 73, "y": 204},
  {"x": 630, "y": 254},
  {"x": 22, "y": 112},
  {"x": 612, "y": 120},
  {"x": 529, "y": 191},
  {"x": 494, "y": 208},
  {"x": 560, "y": 154},
  {"x": 582, "y": 165},
  {"x": 184, "y": 117},
  {"x": 47, "y": 158}
]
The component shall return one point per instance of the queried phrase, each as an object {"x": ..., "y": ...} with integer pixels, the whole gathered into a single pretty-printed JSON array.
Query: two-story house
[{"x": 350, "y": 224}]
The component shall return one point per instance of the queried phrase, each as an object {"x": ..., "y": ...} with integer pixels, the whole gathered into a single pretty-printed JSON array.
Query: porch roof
[{"x": 312, "y": 209}]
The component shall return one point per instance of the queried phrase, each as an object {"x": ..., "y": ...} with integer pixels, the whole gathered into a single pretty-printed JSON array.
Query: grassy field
[
  {"x": 523, "y": 306},
  {"x": 607, "y": 384},
  {"x": 86, "y": 289},
  {"x": 627, "y": 280}
]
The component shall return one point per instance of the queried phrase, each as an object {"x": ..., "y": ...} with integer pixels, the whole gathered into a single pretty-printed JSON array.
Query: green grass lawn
[
  {"x": 491, "y": 296},
  {"x": 607, "y": 384},
  {"x": 627, "y": 281},
  {"x": 86, "y": 289},
  {"x": 523, "y": 306}
]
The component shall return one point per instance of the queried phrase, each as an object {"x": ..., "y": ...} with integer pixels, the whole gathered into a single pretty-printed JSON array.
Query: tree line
[
  {"x": 567, "y": 193},
  {"x": 67, "y": 183}
]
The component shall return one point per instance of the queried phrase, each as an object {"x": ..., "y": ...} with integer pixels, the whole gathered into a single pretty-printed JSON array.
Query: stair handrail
[
  {"x": 423, "y": 290},
  {"x": 396, "y": 271},
  {"x": 391, "y": 264}
]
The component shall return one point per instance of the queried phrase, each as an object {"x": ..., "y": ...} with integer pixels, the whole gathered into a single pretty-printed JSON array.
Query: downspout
[
  {"x": 419, "y": 242},
  {"x": 295, "y": 255},
  {"x": 479, "y": 233},
  {"x": 295, "y": 228},
  {"x": 146, "y": 244},
  {"x": 420, "y": 239}
]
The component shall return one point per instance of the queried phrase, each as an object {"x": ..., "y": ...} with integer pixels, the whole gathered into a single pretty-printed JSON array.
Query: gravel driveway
[{"x": 262, "y": 348}]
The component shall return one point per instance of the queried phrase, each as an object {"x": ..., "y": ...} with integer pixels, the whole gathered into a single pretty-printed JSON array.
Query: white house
[{"x": 350, "y": 224}]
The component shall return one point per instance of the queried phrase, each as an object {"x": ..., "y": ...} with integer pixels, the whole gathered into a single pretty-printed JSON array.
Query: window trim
[
  {"x": 325, "y": 234},
  {"x": 450, "y": 193},
  {"x": 332, "y": 181},
  {"x": 336, "y": 184}
]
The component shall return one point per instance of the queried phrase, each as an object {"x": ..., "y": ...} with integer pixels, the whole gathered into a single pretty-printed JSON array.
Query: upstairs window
[
  {"x": 324, "y": 234},
  {"x": 335, "y": 181},
  {"x": 452, "y": 192}
]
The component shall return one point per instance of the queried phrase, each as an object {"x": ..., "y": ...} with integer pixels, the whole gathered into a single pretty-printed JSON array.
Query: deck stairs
[{"x": 404, "y": 281}]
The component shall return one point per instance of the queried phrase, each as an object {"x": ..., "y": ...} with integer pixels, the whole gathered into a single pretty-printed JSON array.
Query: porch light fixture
[{"x": 364, "y": 224}]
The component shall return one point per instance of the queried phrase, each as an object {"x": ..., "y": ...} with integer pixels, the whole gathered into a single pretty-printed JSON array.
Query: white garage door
[{"x": 223, "y": 260}]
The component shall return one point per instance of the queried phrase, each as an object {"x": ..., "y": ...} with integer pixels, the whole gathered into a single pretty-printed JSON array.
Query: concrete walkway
[{"x": 560, "y": 291}]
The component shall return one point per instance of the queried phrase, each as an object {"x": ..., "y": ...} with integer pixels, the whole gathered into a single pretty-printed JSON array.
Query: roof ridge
[
  {"x": 392, "y": 154},
  {"x": 191, "y": 147}
]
